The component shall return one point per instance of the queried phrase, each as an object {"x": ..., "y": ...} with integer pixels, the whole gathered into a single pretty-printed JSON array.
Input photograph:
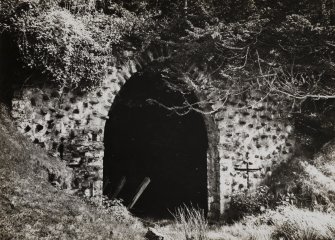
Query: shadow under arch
[{"x": 143, "y": 139}]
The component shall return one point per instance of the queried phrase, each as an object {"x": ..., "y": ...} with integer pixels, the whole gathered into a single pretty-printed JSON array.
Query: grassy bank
[{"x": 32, "y": 208}]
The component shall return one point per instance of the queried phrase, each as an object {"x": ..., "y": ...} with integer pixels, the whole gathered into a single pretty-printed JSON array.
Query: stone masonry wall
[
  {"x": 72, "y": 127},
  {"x": 252, "y": 132}
]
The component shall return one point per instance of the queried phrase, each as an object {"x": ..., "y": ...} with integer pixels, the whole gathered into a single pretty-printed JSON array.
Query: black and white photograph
[{"x": 167, "y": 119}]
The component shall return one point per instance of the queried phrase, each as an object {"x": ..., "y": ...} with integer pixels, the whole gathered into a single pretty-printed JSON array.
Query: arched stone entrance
[
  {"x": 239, "y": 129},
  {"x": 143, "y": 139},
  {"x": 72, "y": 126}
]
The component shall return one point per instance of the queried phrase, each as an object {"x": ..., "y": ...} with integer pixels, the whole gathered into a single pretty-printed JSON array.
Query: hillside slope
[{"x": 32, "y": 208}]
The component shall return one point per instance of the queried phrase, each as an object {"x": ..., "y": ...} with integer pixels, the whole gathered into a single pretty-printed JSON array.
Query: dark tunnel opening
[{"x": 143, "y": 139}]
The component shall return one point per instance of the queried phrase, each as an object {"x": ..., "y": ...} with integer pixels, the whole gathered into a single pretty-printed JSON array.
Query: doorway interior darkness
[{"x": 143, "y": 139}]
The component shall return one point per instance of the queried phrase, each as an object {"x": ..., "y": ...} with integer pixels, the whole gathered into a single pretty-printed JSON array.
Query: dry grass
[
  {"x": 287, "y": 223},
  {"x": 241, "y": 231},
  {"x": 189, "y": 224},
  {"x": 317, "y": 177},
  {"x": 300, "y": 224},
  {"x": 192, "y": 223}
]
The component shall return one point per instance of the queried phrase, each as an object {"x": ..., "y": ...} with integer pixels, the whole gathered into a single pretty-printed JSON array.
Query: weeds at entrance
[{"x": 192, "y": 222}]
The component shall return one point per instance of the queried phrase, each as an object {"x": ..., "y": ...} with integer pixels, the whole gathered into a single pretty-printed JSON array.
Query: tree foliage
[
  {"x": 280, "y": 47},
  {"x": 71, "y": 42}
]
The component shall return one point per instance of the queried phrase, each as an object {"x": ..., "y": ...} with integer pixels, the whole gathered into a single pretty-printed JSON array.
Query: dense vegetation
[
  {"x": 283, "y": 49},
  {"x": 74, "y": 45},
  {"x": 279, "y": 45},
  {"x": 280, "y": 49}
]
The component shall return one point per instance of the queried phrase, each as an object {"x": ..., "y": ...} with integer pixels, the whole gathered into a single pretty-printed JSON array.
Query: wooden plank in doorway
[{"x": 140, "y": 191}]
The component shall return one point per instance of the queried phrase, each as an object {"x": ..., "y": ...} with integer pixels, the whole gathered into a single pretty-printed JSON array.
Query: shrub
[
  {"x": 244, "y": 204},
  {"x": 59, "y": 45},
  {"x": 73, "y": 48}
]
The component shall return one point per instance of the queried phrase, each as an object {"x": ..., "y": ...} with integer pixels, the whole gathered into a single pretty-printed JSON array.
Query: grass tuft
[{"x": 192, "y": 222}]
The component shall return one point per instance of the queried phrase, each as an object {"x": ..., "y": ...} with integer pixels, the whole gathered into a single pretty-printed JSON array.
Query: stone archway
[
  {"x": 73, "y": 126},
  {"x": 243, "y": 128},
  {"x": 143, "y": 139}
]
